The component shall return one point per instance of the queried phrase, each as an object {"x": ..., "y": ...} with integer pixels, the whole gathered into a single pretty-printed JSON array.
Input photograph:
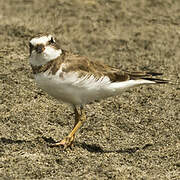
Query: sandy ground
[{"x": 133, "y": 136}]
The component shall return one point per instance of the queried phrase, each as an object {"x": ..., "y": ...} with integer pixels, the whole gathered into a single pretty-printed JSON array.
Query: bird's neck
[
  {"x": 52, "y": 64},
  {"x": 48, "y": 55}
]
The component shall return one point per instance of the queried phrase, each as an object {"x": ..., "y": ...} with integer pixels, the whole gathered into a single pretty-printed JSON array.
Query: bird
[{"x": 78, "y": 80}]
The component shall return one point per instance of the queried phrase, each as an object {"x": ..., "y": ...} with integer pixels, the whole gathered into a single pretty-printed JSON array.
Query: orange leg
[{"x": 80, "y": 117}]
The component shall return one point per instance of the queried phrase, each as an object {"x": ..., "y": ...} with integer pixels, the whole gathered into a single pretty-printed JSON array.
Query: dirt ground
[{"x": 133, "y": 136}]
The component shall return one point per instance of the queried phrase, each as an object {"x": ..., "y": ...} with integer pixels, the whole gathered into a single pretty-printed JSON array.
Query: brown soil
[{"x": 133, "y": 136}]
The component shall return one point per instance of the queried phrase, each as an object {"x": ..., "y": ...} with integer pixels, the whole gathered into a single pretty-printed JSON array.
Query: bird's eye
[{"x": 52, "y": 40}]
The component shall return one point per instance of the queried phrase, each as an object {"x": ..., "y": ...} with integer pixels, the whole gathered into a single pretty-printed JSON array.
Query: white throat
[{"x": 47, "y": 55}]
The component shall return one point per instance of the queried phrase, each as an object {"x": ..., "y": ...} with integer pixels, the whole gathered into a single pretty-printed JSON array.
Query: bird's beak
[{"x": 40, "y": 48}]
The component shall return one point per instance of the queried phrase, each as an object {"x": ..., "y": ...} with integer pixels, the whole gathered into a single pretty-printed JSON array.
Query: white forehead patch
[{"x": 40, "y": 40}]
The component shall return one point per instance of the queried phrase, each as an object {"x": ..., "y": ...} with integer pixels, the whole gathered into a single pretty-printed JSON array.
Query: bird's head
[{"x": 43, "y": 49}]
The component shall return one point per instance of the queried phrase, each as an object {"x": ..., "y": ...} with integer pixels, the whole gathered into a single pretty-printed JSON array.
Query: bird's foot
[{"x": 67, "y": 142}]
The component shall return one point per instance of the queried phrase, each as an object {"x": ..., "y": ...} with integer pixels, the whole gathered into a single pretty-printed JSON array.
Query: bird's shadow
[
  {"x": 94, "y": 148},
  {"x": 89, "y": 147},
  {"x": 97, "y": 149}
]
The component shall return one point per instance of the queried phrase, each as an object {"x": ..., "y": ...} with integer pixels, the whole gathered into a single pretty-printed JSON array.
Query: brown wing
[{"x": 85, "y": 66}]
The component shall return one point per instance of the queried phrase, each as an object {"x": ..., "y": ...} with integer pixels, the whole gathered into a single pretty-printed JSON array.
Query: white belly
[{"x": 74, "y": 90}]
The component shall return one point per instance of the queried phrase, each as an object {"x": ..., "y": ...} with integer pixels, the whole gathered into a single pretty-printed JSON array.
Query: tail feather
[
  {"x": 148, "y": 76},
  {"x": 156, "y": 80},
  {"x": 142, "y": 74},
  {"x": 154, "y": 74}
]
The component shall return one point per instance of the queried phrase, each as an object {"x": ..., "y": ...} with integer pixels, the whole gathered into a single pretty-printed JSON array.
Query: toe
[{"x": 65, "y": 143}]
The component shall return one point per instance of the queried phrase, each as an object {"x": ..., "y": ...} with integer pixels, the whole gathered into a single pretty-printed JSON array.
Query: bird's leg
[
  {"x": 80, "y": 117},
  {"x": 77, "y": 117}
]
